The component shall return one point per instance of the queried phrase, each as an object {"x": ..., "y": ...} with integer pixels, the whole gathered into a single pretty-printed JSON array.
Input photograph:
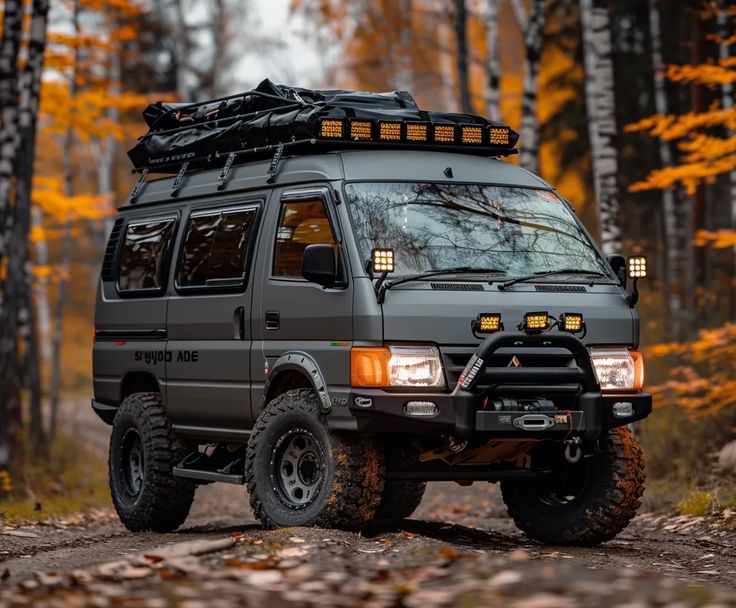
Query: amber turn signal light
[{"x": 369, "y": 366}]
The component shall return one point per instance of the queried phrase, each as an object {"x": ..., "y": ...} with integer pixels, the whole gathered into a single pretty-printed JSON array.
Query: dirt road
[{"x": 459, "y": 548}]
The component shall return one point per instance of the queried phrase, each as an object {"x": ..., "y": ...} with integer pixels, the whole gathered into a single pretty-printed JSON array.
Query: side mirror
[
  {"x": 318, "y": 265},
  {"x": 618, "y": 263}
]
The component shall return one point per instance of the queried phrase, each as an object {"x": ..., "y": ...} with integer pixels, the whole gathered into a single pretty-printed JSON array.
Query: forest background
[{"x": 627, "y": 107}]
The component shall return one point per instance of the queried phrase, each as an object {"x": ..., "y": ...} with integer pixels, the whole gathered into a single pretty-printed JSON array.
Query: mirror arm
[{"x": 633, "y": 297}]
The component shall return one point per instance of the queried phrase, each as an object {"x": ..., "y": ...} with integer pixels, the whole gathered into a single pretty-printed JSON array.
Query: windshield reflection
[{"x": 519, "y": 231}]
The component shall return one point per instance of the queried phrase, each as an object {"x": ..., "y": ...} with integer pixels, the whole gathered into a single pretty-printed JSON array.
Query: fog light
[
  {"x": 536, "y": 321},
  {"x": 572, "y": 322},
  {"x": 421, "y": 408},
  {"x": 623, "y": 409},
  {"x": 487, "y": 323}
]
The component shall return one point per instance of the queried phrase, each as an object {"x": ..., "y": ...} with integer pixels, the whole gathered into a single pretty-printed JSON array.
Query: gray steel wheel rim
[
  {"x": 297, "y": 468},
  {"x": 132, "y": 462}
]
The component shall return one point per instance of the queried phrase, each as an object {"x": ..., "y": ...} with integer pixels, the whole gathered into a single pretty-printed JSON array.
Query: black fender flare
[{"x": 301, "y": 362}]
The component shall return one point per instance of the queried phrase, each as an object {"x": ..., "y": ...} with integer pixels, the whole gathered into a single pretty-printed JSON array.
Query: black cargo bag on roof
[{"x": 268, "y": 115}]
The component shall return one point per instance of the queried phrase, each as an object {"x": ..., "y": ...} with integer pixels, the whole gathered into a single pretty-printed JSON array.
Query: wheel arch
[
  {"x": 139, "y": 382},
  {"x": 294, "y": 370}
]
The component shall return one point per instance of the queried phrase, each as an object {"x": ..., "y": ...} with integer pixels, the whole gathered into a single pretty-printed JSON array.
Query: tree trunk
[
  {"x": 724, "y": 53},
  {"x": 66, "y": 241},
  {"x": 674, "y": 236},
  {"x": 15, "y": 296},
  {"x": 404, "y": 73},
  {"x": 461, "y": 36},
  {"x": 27, "y": 328},
  {"x": 9, "y": 139},
  {"x": 532, "y": 28},
  {"x": 444, "y": 38},
  {"x": 602, "y": 131},
  {"x": 493, "y": 64}
]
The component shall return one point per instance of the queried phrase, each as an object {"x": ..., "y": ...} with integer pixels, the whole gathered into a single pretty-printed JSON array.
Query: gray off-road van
[{"x": 336, "y": 297}]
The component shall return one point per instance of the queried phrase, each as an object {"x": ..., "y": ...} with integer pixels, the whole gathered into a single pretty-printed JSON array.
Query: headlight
[
  {"x": 618, "y": 369},
  {"x": 415, "y": 366},
  {"x": 399, "y": 366}
]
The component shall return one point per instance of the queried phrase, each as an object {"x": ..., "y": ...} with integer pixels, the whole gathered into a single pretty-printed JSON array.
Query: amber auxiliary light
[{"x": 535, "y": 322}]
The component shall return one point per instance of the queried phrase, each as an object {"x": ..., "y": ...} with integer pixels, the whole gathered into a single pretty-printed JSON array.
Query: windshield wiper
[
  {"x": 547, "y": 273},
  {"x": 385, "y": 286}
]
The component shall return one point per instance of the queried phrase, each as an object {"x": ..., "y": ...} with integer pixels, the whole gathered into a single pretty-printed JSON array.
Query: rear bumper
[{"x": 469, "y": 409}]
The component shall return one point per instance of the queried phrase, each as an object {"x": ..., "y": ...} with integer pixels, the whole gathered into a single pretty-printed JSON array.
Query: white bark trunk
[
  {"x": 724, "y": 52},
  {"x": 602, "y": 131},
  {"x": 529, "y": 155},
  {"x": 66, "y": 240},
  {"x": 673, "y": 235},
  {"x": 493, "y": 64},
  {"x": 41, "y": 288}
]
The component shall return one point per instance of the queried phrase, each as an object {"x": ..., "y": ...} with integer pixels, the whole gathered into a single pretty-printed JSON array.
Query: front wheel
[
  {"x": 585, "y": 503},
  {"x": 301, "y": 474}
]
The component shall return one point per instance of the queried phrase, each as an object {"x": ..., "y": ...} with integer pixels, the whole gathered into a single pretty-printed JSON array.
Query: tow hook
[{"x": 573, "y": 451}]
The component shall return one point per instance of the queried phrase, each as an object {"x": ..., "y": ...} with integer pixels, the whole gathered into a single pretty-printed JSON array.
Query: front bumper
[{"x": 468, "y": 409}]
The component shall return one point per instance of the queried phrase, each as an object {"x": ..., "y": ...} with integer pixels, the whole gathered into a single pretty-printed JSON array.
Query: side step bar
[
  {"x": 217, "y": 465},
  {"x": 209, "y": 475}
]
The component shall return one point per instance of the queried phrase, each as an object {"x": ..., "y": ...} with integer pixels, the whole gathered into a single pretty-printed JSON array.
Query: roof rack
[{"x": 270, "y": 119}]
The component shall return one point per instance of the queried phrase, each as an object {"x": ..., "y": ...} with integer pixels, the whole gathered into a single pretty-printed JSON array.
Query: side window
[
  {"x": 301, "y": 223},
  {"x": 216, "y": 248},
  {"x": 144, "y": 259}
]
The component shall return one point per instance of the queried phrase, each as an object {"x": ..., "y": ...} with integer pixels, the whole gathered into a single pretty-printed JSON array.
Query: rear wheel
[
  {"x": 585, "y": 503},
  {"x": 301, "y": 474},
  {"x": 143, "y": 452}
]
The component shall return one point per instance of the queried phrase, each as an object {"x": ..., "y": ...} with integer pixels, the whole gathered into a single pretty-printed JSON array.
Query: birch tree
[
  {"x": 493, "y": 63},
  {"x": 674, "y": 234},
  {"x": 531, "y": 25},
  {"x": 602, "y": 131},
  {"x": 9, "y": 75},
  {"x": 66, "y": 239},
  {"x": 18, "y": 151},
  {"x": 727, "y": 94}
]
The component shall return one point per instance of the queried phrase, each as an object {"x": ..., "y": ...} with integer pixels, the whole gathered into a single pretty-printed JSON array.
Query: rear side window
[
  {"x": 144, "y": 258},
  {"x": 302, "y": 223},
  {"x": 216, "y": 248}
]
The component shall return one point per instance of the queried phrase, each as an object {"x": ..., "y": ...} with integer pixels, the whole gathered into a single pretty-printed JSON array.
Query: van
[{"x": 335, "y": 321}]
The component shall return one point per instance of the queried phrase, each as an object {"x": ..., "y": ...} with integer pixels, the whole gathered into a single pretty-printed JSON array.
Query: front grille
[{"x": 455, "y": 358}]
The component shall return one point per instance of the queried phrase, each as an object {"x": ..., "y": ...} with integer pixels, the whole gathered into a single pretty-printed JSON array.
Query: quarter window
[
  {"x": 216, "y": 248},
  {"x": 144, "y": 259},
  {"x": 302, "y": 223}
]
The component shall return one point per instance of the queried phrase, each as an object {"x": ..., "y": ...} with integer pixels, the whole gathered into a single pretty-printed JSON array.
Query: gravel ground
[{"x": 458, "y": 549}]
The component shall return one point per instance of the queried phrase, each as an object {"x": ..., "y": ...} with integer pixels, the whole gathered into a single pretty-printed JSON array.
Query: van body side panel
[
  {"x": 209, "y": 341},
  {"x": 311, "y": 319},
  {"x": 131, "y": 337}
]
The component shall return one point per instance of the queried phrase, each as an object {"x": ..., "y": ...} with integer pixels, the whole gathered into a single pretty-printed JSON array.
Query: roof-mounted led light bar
[{"x": 415, "y": 132}]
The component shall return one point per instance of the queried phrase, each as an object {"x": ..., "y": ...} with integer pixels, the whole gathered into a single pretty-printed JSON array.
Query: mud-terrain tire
[
  {"x": 299, "y": 473},
  {"x": 400, "y": 498},
  {"x": 584, "y": 506},
  {"x": 143, "y": 452}
]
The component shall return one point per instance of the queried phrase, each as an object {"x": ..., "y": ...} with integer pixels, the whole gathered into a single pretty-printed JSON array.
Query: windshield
[{"x": 516, "y": 231}]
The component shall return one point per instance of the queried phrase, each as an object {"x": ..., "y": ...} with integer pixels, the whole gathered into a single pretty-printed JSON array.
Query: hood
[{"x": 440, "y": 312}]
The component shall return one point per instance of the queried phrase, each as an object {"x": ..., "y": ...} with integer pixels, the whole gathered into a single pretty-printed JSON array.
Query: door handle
[
  {"x": 239, "y": 323},
  {"x": 272, "y": 319}
]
